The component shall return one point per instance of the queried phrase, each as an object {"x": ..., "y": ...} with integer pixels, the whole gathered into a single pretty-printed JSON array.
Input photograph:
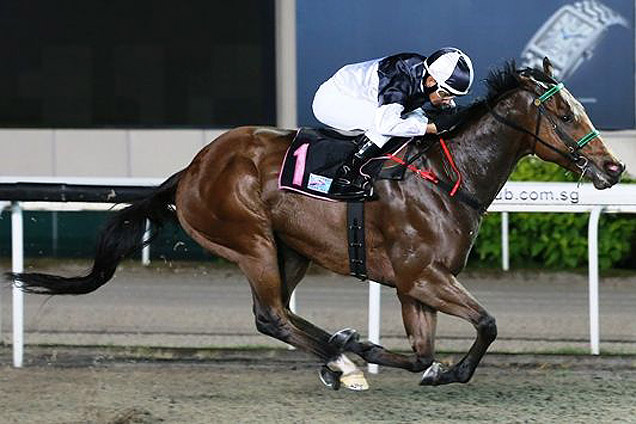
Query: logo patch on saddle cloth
[{"x": 319, "y": 183}]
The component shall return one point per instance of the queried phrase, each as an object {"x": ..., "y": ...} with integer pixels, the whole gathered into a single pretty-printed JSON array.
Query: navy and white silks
[{"x": 383, "y": 97}]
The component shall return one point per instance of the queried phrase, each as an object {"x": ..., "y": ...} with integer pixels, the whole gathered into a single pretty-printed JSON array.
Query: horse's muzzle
[
  {"x": 614, "y": 169},
  {"x": 607, "y": 175}
]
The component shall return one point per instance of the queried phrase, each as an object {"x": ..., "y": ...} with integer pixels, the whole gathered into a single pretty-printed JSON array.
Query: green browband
[{"x": 551, "y": 92}]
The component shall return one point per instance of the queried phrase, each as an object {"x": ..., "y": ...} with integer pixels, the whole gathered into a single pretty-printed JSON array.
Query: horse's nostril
[{"x": 613, "y": 168}]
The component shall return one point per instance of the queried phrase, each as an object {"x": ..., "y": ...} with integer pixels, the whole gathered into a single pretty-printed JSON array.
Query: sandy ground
[
  {"x": 111, "y": 356},
  {"x": 103, "y": 386}
]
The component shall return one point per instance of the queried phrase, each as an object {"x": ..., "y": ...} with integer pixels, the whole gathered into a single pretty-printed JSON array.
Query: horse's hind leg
[
  {"x": 293, "y": 267},
  {"x": 270, "y": 311},
  {"x": 441, "y": 291},
  {"x": 273, "y": 318}
]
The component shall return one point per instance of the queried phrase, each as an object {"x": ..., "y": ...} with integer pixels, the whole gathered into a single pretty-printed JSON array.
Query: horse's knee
[
  {"x": 424, "y": 355},
  {"x": 487, "y": 328},
  {"x": 271, "y": 323},
  {"x": 422, "y": 348}
]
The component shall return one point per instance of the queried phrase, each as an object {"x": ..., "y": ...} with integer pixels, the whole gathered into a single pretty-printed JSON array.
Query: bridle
[{"x": 573, "y": 146}]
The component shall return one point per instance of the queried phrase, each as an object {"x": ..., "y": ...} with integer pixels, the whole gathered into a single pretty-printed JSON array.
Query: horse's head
[{"x": 564, "y": 134}]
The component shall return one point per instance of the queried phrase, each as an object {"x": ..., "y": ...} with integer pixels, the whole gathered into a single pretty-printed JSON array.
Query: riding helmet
[{"x": 452, "y": 69}]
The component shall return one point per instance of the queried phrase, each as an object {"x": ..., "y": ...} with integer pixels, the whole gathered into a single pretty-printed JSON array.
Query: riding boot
[{"x": 349, "y": 182}]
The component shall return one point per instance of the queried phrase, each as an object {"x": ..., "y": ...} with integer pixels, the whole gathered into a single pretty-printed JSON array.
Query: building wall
[
  {"x": 99, "y": 153},
  {"x": 124, "y": 153},
  {"x": 146, "y": 153}
]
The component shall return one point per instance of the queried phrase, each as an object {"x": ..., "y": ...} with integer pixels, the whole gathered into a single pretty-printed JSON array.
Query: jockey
[{"x": 384, "y": 97}]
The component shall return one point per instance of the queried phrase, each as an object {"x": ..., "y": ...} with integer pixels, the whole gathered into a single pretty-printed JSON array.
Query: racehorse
[{"x": 418, "y": 236}]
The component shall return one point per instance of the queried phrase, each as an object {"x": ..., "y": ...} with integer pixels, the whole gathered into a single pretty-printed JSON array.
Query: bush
[{"x": 554, "y": 240}]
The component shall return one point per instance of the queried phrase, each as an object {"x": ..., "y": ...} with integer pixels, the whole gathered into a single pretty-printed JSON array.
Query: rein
[
  {"x": 452, "y": 189},
  {"x": 573, "y": 146},
  {"x": 572, "y": 152}
]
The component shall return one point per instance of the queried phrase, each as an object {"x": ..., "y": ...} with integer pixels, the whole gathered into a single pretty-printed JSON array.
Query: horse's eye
[{"x": 567, "y": 118}]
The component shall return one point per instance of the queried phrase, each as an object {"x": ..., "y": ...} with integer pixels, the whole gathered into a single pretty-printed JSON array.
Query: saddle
[{"x": 315, "y": 155}]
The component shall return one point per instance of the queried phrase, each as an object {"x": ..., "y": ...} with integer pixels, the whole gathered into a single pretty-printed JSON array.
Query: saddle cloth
[{"x": 314, "y": 157}]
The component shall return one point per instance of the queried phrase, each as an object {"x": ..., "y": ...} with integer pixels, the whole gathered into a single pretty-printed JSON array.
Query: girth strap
[{"x": 356, "y": 240}]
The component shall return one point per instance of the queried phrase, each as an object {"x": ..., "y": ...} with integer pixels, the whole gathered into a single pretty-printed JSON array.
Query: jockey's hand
[{"x": 446, "y": 120}]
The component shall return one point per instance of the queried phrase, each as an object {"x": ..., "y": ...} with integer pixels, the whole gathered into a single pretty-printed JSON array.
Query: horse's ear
[{"x": 547, "y": 67}]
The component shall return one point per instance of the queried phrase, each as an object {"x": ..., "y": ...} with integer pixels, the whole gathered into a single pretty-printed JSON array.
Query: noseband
[{"x": 573, "y": 146}]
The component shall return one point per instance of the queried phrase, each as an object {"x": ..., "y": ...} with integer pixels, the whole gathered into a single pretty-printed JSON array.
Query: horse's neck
[{"x": 486, "y": 153}]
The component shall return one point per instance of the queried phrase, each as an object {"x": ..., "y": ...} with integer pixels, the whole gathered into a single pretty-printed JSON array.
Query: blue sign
[{"x": 590, "y": 42}]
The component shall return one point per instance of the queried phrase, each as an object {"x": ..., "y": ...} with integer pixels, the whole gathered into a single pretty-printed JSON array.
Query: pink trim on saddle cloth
[
  {"x": 306, "y": 193},
  {"x": 280, "y": 170}
]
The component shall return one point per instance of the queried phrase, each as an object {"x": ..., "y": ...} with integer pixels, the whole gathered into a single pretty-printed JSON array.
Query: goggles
[{"x": 441, "y": 92}]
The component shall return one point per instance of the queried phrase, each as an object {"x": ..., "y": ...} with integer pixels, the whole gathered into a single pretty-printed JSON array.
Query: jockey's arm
[{"x": 390, "y": 121}]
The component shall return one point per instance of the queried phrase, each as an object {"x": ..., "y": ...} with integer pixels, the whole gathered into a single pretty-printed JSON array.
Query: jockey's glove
[{"x": 446, "y": 120}]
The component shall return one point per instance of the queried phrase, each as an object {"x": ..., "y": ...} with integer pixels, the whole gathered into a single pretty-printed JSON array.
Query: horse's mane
[{"x": 499, "y": 82}]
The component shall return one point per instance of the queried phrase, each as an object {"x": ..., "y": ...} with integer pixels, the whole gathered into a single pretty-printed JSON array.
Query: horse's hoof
[
  {"x": 431, "y": 375},
  {"x": 355, "y": 381},
  {"x": 329, "y": 377},
  {"x": 340, "y": 338}
]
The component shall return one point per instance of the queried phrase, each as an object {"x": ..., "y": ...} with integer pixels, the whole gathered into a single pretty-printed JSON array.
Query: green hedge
[{"x": 554, "y": 240}]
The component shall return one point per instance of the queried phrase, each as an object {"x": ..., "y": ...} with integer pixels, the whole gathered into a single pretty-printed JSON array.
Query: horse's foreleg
[
  {"x": 420, "y": 322},
  {"x": 440, "y": 290},
  {"x": 377, "y": 354},
  {"x": 292, "y": 267}
]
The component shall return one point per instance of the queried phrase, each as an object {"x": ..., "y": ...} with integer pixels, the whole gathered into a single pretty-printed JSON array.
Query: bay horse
[{"x": 418, "y": 237}]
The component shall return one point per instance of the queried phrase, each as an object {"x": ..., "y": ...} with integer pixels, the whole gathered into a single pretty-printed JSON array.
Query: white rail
[{"x": 516, "y": 197}]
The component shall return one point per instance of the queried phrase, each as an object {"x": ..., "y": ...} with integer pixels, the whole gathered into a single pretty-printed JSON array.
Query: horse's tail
[{"x": 121, "y": 237}]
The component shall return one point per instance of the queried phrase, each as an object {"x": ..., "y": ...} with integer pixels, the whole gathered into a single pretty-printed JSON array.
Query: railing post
[
  {"x": 2, "y": 206},
  {"x": 505, "y": 251},
  {"x": 592, "y": 258},
  {"x": 292, "y": 308},
  {"x": 145, "y": 251},
  {"x": 17, "y": 265},
  {"x": 374, "y": 319}
]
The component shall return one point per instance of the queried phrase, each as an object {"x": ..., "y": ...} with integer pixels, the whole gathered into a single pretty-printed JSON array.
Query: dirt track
[
  {"x": 198, "y": 307},
  {"x": 106, "y": 386}
]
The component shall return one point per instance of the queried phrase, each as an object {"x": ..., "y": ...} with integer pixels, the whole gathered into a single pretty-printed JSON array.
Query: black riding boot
[{"x": 349, "y": 183}]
